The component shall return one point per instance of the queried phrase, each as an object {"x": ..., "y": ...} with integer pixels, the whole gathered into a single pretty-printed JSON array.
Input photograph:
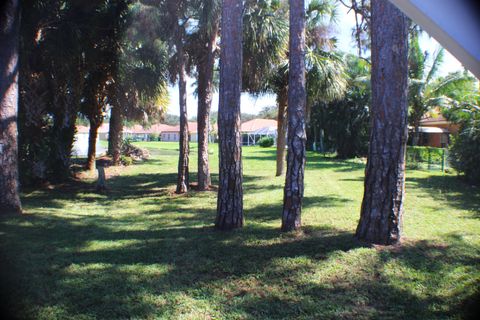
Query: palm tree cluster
[{"x": 81, "y": 59}]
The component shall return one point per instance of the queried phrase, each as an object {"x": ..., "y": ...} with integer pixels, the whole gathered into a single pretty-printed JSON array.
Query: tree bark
[
  {"x": 92, "y": 144},
  {"x": 63, "y": 134},
  {"x": 182, "y": 179},
  {"x": 230, "y": 189},
  {"x": 9, "y": 43},
  {"x": 115, "y": 134},
  {"x": 281, "y": 131},
  {"x": 382, "y": 206},
  {"x": 205, "y": 94},
  {"x": 297, "y": 137}
]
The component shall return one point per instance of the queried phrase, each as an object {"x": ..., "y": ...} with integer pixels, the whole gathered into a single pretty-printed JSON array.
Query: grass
[{"x": 142, "y": 252}]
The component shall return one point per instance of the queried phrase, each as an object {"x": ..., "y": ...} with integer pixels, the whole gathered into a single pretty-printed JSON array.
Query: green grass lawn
[{"x": 142, "y": 252}]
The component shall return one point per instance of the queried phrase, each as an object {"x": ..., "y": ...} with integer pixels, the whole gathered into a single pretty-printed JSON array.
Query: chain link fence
[{"x": 427, "y": 158}]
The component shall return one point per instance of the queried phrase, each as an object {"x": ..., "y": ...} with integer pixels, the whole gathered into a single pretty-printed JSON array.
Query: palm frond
[{"x": 437, "y": 62}]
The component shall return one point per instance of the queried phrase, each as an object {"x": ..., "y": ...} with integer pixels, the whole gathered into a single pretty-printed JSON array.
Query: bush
[
  {"x": 153, "y": 137},
  {"x": 465, "y": 153},
  {"x": 424, "y": 154},
  {"x": 135, "y": 153},
  {"x": 266, "y": 142},
  {"x": 126, "y": 160}
]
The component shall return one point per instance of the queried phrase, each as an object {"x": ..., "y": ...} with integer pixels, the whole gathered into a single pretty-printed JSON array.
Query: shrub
[
  {"x": 136, "y": 153},
  {"x": 126, "y": 160},
  {"x": 265, "y": 142},
  {"x": 153, "y": 137},
  {"x": 465, "y": 153},
  {"x": 424, "y": 154}
]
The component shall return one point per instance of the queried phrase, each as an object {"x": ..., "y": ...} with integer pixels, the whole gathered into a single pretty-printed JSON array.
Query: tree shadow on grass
[
  {"x": 54, "y": 263},
  {"x": 93, "y": 267},
  {"x": 138, "y": 187},
  {"x": 273, "y": 211},
  {"x": 382, "y": 291},
  {"x": 451, "y": 189}
]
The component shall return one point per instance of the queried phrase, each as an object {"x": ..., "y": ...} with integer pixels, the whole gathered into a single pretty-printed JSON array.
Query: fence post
[
  {"x": 429, "y": 159},
  {"x": 443, "y": 160}
]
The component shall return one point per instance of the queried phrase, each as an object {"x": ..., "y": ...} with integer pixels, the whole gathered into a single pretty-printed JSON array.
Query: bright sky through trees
[{"x": 346, "y": 22}]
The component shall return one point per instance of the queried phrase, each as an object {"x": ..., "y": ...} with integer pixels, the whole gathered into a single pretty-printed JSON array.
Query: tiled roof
[
  {"x": 257, "y": 124},
  {"x": 437, "y": 119},
  {"x": 192, "y": 128},
  {"x": 138, "y": 129}
]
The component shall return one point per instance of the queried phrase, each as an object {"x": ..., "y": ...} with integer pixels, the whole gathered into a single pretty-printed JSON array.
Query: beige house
[
  {"x": 436, "y": 131},
  {"x": 255, "y": 129}
]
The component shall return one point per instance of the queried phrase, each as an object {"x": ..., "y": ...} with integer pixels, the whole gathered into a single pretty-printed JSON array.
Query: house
[
  {"x": 255, "y": 129},
  {"x": 141, "y": 133},
  {"x": 80, "y": 144},
  {"x": 436, "y": 131},
  {"x": 172, "y": 134}
]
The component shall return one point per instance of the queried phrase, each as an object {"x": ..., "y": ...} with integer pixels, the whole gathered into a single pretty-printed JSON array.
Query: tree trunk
[
  {"x": 63, "y": 134},
  {"x": 382, "y": 206},
  {"x": 281, "y": 131},
  {"x": 115, "y": 134},
  {"x": 297, "y": 137},
  {"x": 92, "y": 144},
  {"x": 9, "y": 42},
  {"x": 182, "y": 180},
  {"x": 230, "y": 189},
  {"x": 205, "y": 94}
]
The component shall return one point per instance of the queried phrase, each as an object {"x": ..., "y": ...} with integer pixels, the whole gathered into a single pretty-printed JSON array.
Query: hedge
[{"x": 425, "y": 154}]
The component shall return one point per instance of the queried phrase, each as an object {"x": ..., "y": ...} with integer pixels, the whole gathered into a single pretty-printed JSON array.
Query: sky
[{"x": 345, "y": 24}]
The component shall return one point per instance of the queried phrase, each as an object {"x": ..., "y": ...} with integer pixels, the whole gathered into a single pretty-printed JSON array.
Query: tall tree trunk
[
  {"x": 230, "y": 189},
  {"x": 297, "y": 137},
  {"x": 205, "y": 94},
  {"x": 382, "y": 206},
  {"x": 63, "y": 134},
  {"x": 9, "y": 42},
  {"x": 92, "y": 144},
  {"x": 282, "y": 100},
  {"x": 115, "y": 133},
  {"x": 182, "y": 179}
]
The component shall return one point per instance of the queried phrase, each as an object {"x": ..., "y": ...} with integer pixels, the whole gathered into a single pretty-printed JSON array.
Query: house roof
[
  {"x": 434, "y": 120},
  {"x": 138, "y": 129},
  {"x": 257, "y": 124},
  {"x": 192, "y": 128},
  {"x": 432, "y": 130}
]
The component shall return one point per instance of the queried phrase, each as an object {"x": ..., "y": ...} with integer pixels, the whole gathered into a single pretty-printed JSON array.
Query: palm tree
[
  {"x": 101, "y": 65},
  {"x": 230, "y": 189},
  {"x": 383, "y": 199},
  {"x": 9, "y": 43},
  {"x": 139, "y": 92},
  {"x": 176, "y": 23},
  {"x": 265, "y": 63},
  {"x": 205, "y": 48},
  {"x": 297, "y": 138},
  {"x": 344, "y": 122},
  {"x": 325, "y": 77},
  {"x": 425, "y": 93}
]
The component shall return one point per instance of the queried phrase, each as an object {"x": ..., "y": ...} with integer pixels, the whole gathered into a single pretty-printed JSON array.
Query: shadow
[
  {"x": 88, "y": 269},
  {"x": 272, "y": 212},
  {"x": 167, "y": 261},
  {"x": 455, "y": 191},
  {"x": 372, "y": 291}
]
